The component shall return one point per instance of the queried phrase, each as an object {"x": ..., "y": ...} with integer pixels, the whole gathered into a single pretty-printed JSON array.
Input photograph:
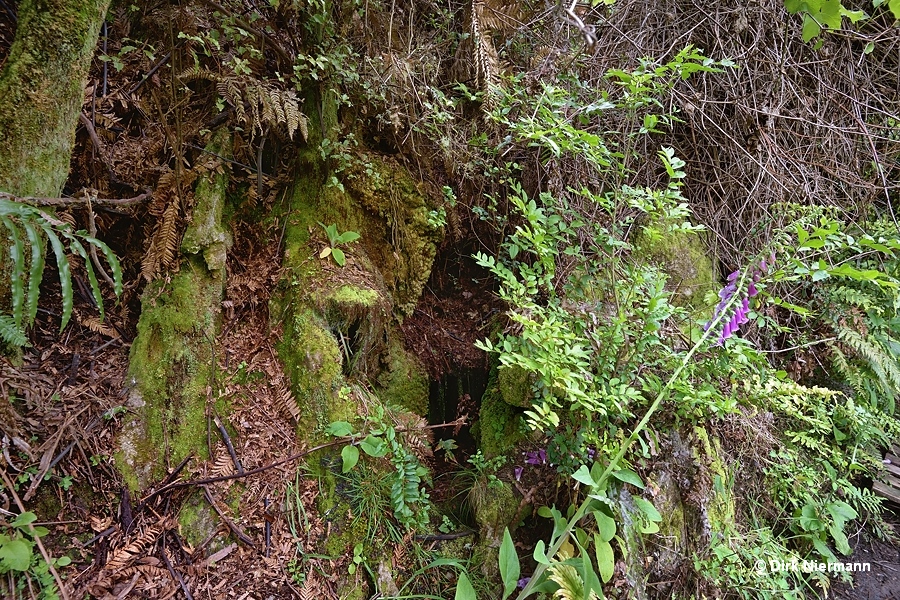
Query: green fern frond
[
  {"x": 36, "y": 272},
  {"x": 17, "y": 255},
  {"x": 844, "y": 295},
  {"x": 25, "y": 283},
  {"x": 848, "y": 371},
  {"x": 10, "y": 334},
  {"x": 876, "y": 359}
]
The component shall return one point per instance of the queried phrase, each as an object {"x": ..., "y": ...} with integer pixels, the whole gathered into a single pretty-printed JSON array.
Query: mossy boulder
[
  {"x": 683, "y": 256},
  {"x": 497, "y": 429},
  {"x": 515, "y": 386},
  {"x": 398, "y": 237},
  {"x": 403, "y": 381}
]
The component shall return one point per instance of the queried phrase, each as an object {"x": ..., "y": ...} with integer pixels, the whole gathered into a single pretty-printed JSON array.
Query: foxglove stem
[{"x": 614, "y": 463}]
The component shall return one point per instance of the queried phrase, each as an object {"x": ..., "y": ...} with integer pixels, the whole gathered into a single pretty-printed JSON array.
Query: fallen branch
[
  {"x": 107, "y": 202},
  {"x": 293, "y": 457},
  {"x": 239, "y": 534}
]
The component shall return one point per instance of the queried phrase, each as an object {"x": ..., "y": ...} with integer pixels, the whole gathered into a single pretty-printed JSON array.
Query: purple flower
[
  {"x": 538, "y": 457},
  {"x": 518, "y": 472},
  {"x": 741, "y": 313},
  {"x": 522, "y": 583},
  {"x": 591, "y": 453}
]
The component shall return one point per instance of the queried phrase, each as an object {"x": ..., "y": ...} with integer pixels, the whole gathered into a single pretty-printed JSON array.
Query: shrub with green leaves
[
  {"x": 27, "y": 229},
  {"x": 19, "y": 558}
]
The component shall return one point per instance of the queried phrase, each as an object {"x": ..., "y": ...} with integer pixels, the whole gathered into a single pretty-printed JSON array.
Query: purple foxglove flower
[
  {"x": 733, "y": 276},
  {"x": 751, "y": 289},
  {"x": 538, "y": 457},
  {"x": 518, "y": 472}
]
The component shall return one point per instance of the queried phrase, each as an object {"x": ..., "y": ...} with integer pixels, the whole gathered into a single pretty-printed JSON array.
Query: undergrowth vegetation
[{"x": 569, "y": 184}]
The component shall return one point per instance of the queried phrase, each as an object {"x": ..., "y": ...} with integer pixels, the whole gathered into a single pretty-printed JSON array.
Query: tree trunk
[{"x": 41, "y": 92}]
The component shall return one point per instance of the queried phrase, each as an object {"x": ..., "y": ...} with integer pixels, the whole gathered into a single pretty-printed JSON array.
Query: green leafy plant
[
  {"x": 381, "y": 440},
  {"x": 27, "y": 227},
  {"x": 18, "y": 557},
  {"x": 336, "y": 239}
]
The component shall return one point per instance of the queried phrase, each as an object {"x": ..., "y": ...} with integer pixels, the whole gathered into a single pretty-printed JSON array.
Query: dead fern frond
[
  {"x": 97, "y": 326},
  {"x": 285, "y": 401},
  {"x": 133, "y": 550},
  {"x": 418, "y": 438},
  {"x": 487, "y": 70}
]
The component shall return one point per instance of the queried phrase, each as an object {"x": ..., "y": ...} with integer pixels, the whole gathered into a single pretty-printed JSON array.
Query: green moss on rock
[
  {"x": 497, "y": 428},
  {"x": 403, "y": 381},
  {"x": 397, "y": 235},
  {"x": 683, "y": 256},
  {"x": 515, "y": 386}
]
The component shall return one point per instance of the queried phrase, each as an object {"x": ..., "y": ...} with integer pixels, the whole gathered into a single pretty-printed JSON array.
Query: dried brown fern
[
  {"x": 97, "y": 326},
  {"x": 285, "y": 401},
  {"x": 259, "y": 105},
  {"x": 123, "y": 556},
  {"x": 418, "y": 438}
]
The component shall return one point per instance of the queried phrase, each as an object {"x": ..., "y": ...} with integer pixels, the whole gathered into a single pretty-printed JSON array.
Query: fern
[
  {"x": 269, "y": 106},
  {"x": 10, "y": 334},
  {"x": 879, "y": 360},
  {"x": 25, "y": 283}
]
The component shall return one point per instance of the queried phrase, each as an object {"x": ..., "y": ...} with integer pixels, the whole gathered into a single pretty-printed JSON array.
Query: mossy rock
[
  {"x": 403, "y": 380},
  {"x": 515, "y": 386},
  {"x": 497, "y": 428},
  {"x": 495, "y": 508},
  {"x": 683, "y": 256},
  {"x": 399, "y": 239}
]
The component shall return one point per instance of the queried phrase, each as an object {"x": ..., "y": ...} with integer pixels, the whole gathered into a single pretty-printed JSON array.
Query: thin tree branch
[{"x": 106, "y": 202}]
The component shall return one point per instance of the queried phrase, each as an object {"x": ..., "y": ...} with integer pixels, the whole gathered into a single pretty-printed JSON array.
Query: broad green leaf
[
  {"x": 17, "y": 277},
  {"x": 464, "y": 589},
  {"x": 39, "y": 531},
  {"x": 36, "y": 272},
  {"x": 841, "y": 511},
  {"x": 347, "y": 237},
  {"x": 646, "y": 507},
  {"x": 840, "y": 539},
  {"x": 606, "y": 525},
  {"x": 823, "y": 549},
  {"x": 23, "y": 520},
  {"x": 339, "y": 429},
  {"x": 65, "y": 275},
  {"x": 629, "y": 476},
  {"x": 16, "y": 555},
  {"x": 509, "y": 564},
  {"x": 894, "y": 5},
  {"x": 63, "y": 561},
  {"x": 606, "y": 560},
  {"x": 350, "y": 456},
  {"x": 374, "y": 446},
  {"x": 338, "y": 256},
  {"x": 540, "y": 553},
  {"x": 583, "y": 475}
]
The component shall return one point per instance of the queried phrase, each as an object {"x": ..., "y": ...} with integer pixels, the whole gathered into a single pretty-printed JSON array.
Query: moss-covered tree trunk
[
  {"x": 41, "y": 92},
  {"x": 173, "y": 355}
]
